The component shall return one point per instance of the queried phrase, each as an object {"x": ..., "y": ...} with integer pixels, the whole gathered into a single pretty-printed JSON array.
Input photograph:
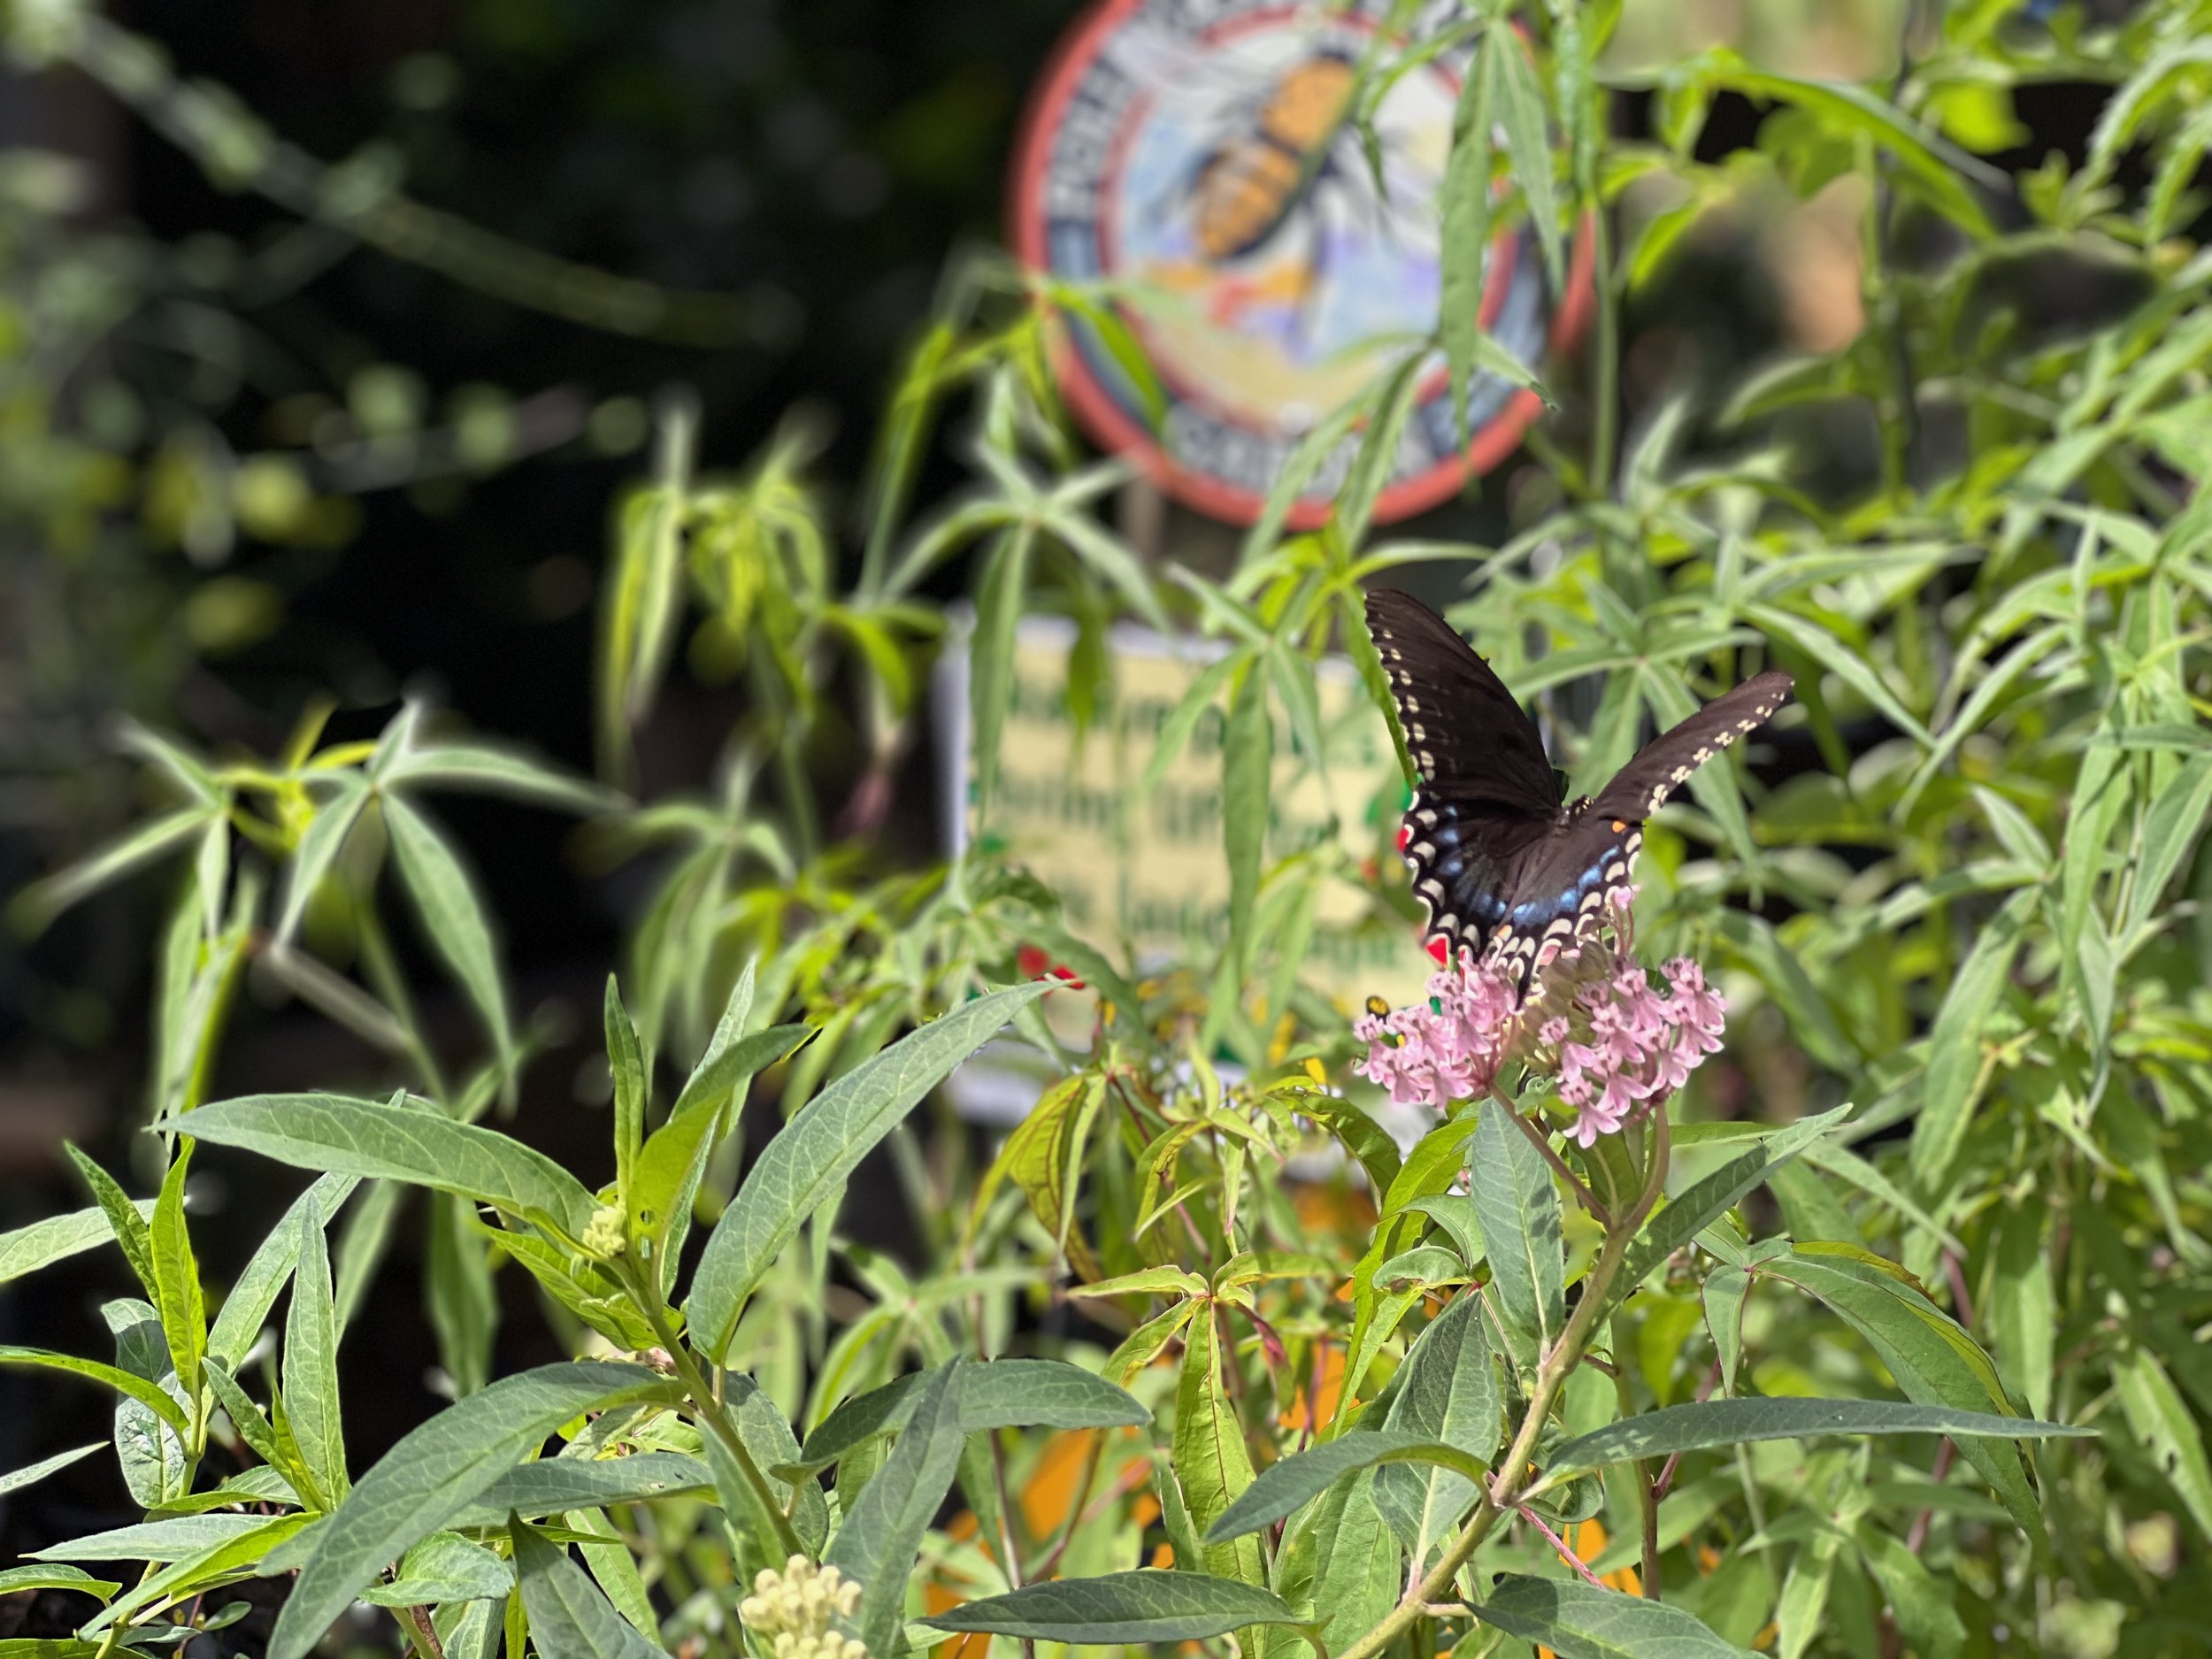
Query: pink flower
[{"x": 1618, "y": 1044}]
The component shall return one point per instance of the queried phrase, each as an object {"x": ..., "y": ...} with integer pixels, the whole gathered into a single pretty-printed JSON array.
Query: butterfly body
[{"x": 1504, "y": 865}]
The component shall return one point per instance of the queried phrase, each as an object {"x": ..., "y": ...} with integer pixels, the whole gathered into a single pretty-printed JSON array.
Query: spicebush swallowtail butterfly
[{"x": 1502, "y": 862}]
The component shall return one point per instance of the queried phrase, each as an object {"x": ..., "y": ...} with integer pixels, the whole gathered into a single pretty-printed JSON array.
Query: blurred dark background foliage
[{"x": 280, "y": 463}]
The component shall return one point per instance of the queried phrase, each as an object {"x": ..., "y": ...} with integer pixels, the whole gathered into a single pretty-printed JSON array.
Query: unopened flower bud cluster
[{"x": 796, "y": 1608}]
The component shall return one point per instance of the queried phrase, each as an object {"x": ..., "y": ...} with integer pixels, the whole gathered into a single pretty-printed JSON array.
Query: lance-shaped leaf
[
  {"x": 1519, "y": 1209},
  {"x": 1004, "y": 1394},
  {"x": 58, "y": 1237},
  {"x": 151, "y": 1395},
  {"x": 1128, "y": 1609},
  {"x": 1286, "y": 1487},
  {"x": 393, "y": 1142},
  {"x": 1446, "y": 1392},
  {"x": 1579, "y": 1621},
  {"x": 1713, "y": 1423},
  {"x": 1934, "y": 1360},
  {"x": 311, "y": 1365},
  {"x": 876, "y": 1544},
  {"x": 1706, "y": 1201},
  {"x": 238, "y": 1322},
  {"x": 570, "y": 1617},
  {"x": 806, "y": 1165},
  {"x": 318, "y": 847},
  {"x": 433, "y": 1473},
  {"x": 554, "y": 1484},
  {"x": 452, "y": 914},
  {"x": 177, "y": 1276}
]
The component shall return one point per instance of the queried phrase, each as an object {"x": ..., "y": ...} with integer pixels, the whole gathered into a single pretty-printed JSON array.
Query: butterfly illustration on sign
[{"x": 1504, "y": 865}]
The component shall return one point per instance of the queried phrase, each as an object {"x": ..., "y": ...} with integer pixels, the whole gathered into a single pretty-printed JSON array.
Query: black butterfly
[{"x": 1503, "y": 862}]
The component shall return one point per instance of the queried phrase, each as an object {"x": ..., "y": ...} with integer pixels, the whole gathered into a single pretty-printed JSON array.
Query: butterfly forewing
[
  {"x": 1486, "y": 795},
  {"x": 1501, "y": 864},
  {"x": 1665, "y": 764}
]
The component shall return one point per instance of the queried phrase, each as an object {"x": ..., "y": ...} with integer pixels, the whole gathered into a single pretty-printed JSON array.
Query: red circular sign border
[{"x": 1107, "y": 420}]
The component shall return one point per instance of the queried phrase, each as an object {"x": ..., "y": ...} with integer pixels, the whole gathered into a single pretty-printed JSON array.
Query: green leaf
[
  {"x": 1711, "y": 1423},
  {"x": 2023, "y": 1304},
  {"x": 1921, "y": 1604},
  {"x": 1705, "y": 1201},
  {"x": 1248, "y": 760},
  {"x": 393, "y": 1142},
  {"x": 555, "y": 1484},
  {"x": 765, "y": 1433},
  {"x": 311, "y": 1365},
  {"x": 452, "y": 916},
  {"x": 444, "y": 1567},
  {"x": 1286, "y": 1486},
  {"x": 459, "y": 1296},
  {"x": 128, "y": 1222},
  {"x": 1357, "y": 1566},
  {"x": 151, "y": 1395},
  {"x": 1579, "y": 1621},
  {"x": 280, "y": 1452},
  {"x": 39, "y": 903},
  {"x": 482, "y": 769},
  {"x": 1212, "y": 1464},
  {"x": 238, "y": 1321},
  {"x": 806, "y": 1165},
  {"x": 1934, "y": 1362},
  {"x": 1466, "y": 236},
  {"x": 2177, "y": 819},
  {"x": 319, "y": 846},
  {"x": 58, "y": 1237},
  {"x": 177, "y": 1276},
  {"x": 1725, "y": 1287},
  {"x": 31, "y": 1474},
  {"x": 152, "y": 1456},
  {"x": 1518, "y": 1207},
  {"x": 876, "y": 1544},
  {"x": 172, "y": 1539},
  {"x": 1527, "y": 142},
  {"x": 1955, "y": 1045},
  {"x": 1446, "y": 1392},
  {"x": 434, "y": 1472},
  {"x": 224, "y": 1561},
  {"x": 1130, "y": 1608},
  {"x": 1003, "y": 1394},
  {"x": 2162, "y": 1425},
  {"x": 17, "y": 1579},
  {"x": 569, "y": 1616},
  {"x": 991, "y": 653},
  {"x": 1928, "y": 163},
  {"x": 608, "y": 1556},
  {"x": 626, "y": 1061}
]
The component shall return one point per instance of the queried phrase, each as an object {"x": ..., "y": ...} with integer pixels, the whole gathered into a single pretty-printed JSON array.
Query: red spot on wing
[
  {"x": 1405, "y": 836},
  {"x": 1440, "y": 950}
]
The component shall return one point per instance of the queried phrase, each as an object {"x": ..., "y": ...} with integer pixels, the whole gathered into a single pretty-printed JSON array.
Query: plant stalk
[
  {"x": 1502, "y": 1494},
  {"x": 707, "y": 1403}
]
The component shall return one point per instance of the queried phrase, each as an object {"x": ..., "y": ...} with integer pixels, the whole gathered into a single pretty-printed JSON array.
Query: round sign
[{"x": 1192, "y": 154}]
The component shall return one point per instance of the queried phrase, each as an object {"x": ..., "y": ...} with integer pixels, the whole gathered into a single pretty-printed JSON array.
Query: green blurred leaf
[
  {"x": 311, "y": 1364},
  {"x": 452, "y": 915}
]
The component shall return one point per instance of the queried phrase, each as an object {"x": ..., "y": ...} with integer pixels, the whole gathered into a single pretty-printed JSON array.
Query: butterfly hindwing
[{"x": 1501, "y": 864}]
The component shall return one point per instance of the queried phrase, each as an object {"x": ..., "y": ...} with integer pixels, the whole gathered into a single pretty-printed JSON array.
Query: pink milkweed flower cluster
[{"x": 1617, "y": 1044}]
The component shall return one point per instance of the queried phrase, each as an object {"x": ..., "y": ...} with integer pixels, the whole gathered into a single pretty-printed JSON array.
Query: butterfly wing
[
  {"x": 1665, "y": 764},
  {"x": 1487, "y": 796}
]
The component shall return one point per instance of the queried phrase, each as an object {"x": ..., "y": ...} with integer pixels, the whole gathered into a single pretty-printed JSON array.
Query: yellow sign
[{"x": 1145, "y": 876}]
